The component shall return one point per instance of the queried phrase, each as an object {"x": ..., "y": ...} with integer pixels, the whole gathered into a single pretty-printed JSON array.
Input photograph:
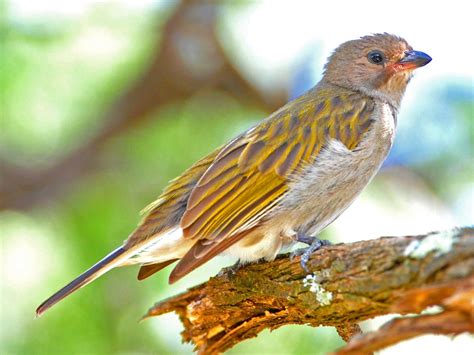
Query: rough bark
[{"x": 346, "y": 284}]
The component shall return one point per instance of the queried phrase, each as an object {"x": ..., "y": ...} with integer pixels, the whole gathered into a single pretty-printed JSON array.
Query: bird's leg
[
  {"x": 231, "y": 270},
  {"x": 314, "y": 243}
]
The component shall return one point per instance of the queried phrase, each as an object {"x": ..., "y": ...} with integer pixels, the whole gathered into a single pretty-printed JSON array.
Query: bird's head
[{"x": 379, "y": 65}]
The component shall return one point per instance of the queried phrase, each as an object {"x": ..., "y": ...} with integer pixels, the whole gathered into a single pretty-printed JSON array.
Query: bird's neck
[{"x": 389, "y": 96}]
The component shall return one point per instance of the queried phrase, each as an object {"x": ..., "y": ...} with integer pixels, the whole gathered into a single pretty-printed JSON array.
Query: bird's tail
[{"x": 112, "y": 260}]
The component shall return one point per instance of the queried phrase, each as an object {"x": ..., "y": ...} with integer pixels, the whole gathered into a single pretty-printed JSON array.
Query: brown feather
[
  {"x": 271, "y": 160},
  {"x": 148, "y": 270},
  {"x": 290, "y": 161},
  {"x": 202, "y": 252},
  {"x": 217, "y": 197}
]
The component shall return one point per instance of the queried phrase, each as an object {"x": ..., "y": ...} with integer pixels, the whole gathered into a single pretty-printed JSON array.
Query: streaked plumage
[{"x": 295, "y": 172}]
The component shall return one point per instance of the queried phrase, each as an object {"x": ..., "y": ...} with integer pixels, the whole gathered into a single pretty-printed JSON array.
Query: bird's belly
[{"x": 264, "y": 243}]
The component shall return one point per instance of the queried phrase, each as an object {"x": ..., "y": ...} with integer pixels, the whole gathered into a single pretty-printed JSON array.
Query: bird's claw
[
  {"x": 306, "y": 253},
  {"x": 295, "y": 253},
  {"x": 231, "y": 270}
]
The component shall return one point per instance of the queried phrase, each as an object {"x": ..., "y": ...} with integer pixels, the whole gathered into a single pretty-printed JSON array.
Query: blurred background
[{"x": 103, "y": 102}]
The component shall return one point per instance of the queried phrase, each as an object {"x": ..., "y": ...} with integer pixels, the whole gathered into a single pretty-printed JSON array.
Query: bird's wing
[{"x": 250, "y": 175}]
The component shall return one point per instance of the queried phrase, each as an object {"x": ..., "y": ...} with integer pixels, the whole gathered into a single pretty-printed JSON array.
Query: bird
[{"x": 283, "y": 180}]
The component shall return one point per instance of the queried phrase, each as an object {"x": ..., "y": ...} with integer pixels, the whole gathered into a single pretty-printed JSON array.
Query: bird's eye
[{"x": 376, "y": 57}]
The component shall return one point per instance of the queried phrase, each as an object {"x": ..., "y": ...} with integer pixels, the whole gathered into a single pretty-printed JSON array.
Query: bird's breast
[{"x": 328, "y": 186}]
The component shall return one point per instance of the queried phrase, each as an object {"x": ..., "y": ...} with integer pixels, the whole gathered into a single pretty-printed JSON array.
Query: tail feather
[
  {"x": 149, "y": 269},
  {"x": 112, "y": 260}
]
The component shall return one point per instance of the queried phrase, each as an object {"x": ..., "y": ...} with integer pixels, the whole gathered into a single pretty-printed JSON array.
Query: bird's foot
[
  {"x": 313, "y": 243},
  {"x": 232, "y": 270}
]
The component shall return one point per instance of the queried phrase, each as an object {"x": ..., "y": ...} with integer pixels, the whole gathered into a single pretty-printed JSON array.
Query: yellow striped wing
[{"x": 249, "y": 175}]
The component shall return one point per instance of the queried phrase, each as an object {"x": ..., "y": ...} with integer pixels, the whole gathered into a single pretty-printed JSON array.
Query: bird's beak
[{"x": 413, "y": 60}]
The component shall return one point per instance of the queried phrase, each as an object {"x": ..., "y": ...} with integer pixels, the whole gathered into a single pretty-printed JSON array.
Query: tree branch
[{"x": 347, "y": 283}]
